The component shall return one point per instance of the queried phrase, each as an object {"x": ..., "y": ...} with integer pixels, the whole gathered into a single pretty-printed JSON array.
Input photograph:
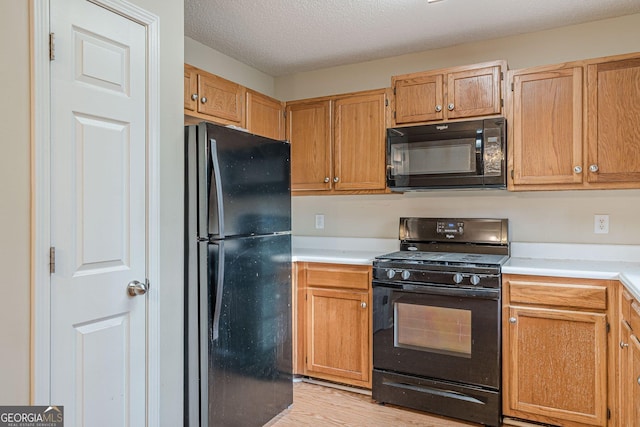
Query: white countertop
[
  {"x": 617, "y": 262},
  {"x": 341, "y": 250}
]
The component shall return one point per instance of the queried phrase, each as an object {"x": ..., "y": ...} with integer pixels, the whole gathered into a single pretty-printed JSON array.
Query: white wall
[
  {"x": 15, "y": 184},
  {"x": 205, "y": 58},
  {"x": 563, "y": 216},
  {"x": 599, "y": 38},
  {"x": 15, "y": 204}
]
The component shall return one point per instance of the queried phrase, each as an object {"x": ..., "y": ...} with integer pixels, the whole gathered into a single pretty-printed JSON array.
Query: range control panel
[{"x": 450, "y": 227}]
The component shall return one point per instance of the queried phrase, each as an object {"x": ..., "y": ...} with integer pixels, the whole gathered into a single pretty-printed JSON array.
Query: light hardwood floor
[{"x": 316, "y": 405}]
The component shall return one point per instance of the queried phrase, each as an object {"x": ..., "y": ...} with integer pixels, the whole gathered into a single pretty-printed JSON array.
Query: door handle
[{"x": 135, "y": 288}]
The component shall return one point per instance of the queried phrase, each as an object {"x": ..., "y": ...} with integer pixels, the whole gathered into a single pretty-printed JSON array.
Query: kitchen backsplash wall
[{"x": 562, "y": 216}]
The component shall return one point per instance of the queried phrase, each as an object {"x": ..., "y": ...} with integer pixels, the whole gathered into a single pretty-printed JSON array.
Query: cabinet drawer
[
  {"x": 338, "y": 276},
  {"x": 562, "y": 295}
]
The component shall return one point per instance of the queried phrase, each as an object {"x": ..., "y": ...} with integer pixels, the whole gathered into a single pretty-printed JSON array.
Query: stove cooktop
[{"x": 445, "y": 258}]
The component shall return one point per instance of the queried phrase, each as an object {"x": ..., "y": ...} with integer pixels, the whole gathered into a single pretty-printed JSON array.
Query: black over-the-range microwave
[{"x": 467, "y": 154}]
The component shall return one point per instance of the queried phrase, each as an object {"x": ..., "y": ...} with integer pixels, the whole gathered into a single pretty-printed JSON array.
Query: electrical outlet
[
  {"x": 319, "y": 221},
  {"x": 601, "y": 224}
]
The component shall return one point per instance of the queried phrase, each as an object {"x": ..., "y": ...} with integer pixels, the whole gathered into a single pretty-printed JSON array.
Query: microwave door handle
[{"x": 480, "y": 156}]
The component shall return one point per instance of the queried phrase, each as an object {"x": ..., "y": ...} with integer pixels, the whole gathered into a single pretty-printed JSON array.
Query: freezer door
[
  {"x": 250, "y": 183},
  {"x": 249, "y": 339}
]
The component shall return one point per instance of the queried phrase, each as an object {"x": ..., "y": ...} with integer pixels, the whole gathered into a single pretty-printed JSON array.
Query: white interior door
[{"x": 98, "y": 215}]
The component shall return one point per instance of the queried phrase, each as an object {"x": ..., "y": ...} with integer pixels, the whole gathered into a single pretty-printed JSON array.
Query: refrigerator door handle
[
  {"x": 215, "y": 329},
  {"x": 218, "y": 187}
]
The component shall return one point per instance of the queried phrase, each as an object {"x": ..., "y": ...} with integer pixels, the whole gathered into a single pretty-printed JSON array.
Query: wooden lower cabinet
[
  {"x": 334, "y": 323},
  {"x": 556, "y": 357},
  {"x": 629, "y": 361}
]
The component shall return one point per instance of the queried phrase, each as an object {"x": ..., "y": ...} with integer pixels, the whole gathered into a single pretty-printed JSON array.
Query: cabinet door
[
  {"x": 359, "y": 142},
  {"x": 221, "y": 98},
  {"x": 613, "y": 128},
  {"x": 547, "y": 126},
  {"x": 338, "y": 335},
  {"x": 557, "y": 364},
  {"x": 418, "y": 99},
  {"x": 190, "y": 89},
  {"x": 475, "y": 92},
  {"x": 634, "y": 383},
  {"x": 264, "y": 115},
  {"x": 625, "y": 374},
  {"x": 309, "y": 132}
]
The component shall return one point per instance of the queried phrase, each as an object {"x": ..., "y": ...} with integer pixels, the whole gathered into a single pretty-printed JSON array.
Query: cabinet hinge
[
  {"x": 386, "y": 102},
  {"x": 394, "y": 115},
  {"x": 512, "y": 174},
  {"x": 52, "y": 46},
  {"x": 394, "y": 90},
  {"x": 608, "y": 413},
  {"x": 511, "y": 87},
  {"x": 306, "y": 360},
  {"x": 284, "y": 114},
  {"x": 501, "y": 102},
  {"x": 501, "y": 75},
  {"x": 52, "y": 260},
  {"x": 608, "y": 327}
]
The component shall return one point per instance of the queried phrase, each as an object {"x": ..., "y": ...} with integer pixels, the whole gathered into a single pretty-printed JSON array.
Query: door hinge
[
  {"x": 52, "y": 260},
  {"x": 52, "y": 46}
]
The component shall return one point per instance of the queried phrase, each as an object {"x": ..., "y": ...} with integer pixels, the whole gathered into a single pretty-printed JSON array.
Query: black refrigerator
[{"x": 238, "y": 359}]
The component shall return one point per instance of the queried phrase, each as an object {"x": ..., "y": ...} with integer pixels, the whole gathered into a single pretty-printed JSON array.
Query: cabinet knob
[
  {"x": 577, "y": 169},
  {"x": 638, "y": 380},
  {"x": 512, "y": 320},
  {"x": 326, "y": 179},
  {"x": 593, "y": 168},
  {"x": 451, "y": 107},
  {"x": 438, "y": 108},
  {"x": 204, "y": 100},
  {"x": 336, "y": 179},
  {"x": 363, "y": 304},
  {"x": 194, "y": 96},
  {"x": 623, "y": 344}
]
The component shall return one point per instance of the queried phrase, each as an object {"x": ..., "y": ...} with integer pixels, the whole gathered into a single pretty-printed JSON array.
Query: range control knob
[
  {"x": 390, "y": 273},
  {"x": 475, "y": 279},
  {"x": 406, "y": 274},
  {"x": 457, "y": 277}
]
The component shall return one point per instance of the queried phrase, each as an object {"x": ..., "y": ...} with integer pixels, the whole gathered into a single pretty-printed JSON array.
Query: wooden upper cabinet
[
  {"x": 546, "y": 125},
  {"x": 220, "y": 98},
  {"x": 613, "y": 112},
  {"x": 309, "y": 132},
  {"x": 475, "y": 92},
  {"x": 212, "y": 98},
  {"x": 338, "y": 143},
  {"x": 264, "y": 115},
  {"x": 451, "y": 93},
  {"x": 190, "y": 89},
  {"x": 418, "y": 99},
  {"x": 359, "y": 142}
]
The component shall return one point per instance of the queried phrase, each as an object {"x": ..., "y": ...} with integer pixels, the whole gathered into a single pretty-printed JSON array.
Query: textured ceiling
[{"x": 281, "y": 37}]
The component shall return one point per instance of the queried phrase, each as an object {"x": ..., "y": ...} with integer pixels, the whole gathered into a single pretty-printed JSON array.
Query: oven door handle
[{"x": 485, "y": 293}]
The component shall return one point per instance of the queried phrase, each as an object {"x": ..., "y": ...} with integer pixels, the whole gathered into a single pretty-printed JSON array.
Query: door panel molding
[{"x": 40, "y": 384}]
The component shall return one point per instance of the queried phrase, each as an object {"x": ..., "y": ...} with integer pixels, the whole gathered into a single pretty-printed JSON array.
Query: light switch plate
[{"x": 319, "y": 221}]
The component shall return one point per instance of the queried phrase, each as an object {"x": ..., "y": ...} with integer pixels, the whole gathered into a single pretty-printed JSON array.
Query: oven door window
[{"x": 433, "y": 329}]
